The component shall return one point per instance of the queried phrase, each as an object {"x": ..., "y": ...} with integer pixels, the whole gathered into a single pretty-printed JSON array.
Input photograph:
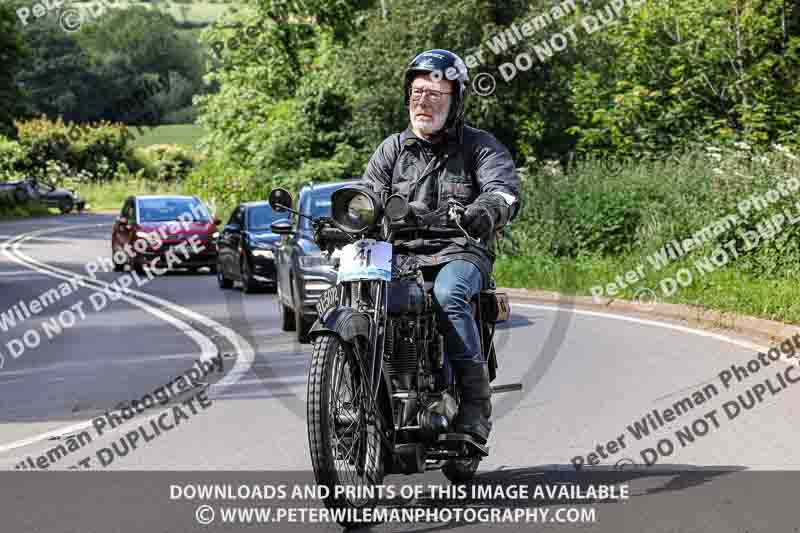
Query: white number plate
[{"x": 366, "y": 259}]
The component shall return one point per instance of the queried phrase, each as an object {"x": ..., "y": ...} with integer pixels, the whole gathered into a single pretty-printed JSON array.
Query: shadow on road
[{"x": 562, "y": 485}]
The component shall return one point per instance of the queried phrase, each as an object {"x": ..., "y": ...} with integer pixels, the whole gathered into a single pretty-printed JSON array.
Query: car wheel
[
  {"x": 222, "y": 281},
  {"x": 302, "y": 326},
  {"x": 118, "y": 267},
  {"x": 249, "y": 285},
  {"x": 20, "y": 195},
  {"x": 65, "y": 205},
  {"x": 287, "y": 315},
  {"x": 212, "y": 269},
  {"x": 134, "y": 266}
]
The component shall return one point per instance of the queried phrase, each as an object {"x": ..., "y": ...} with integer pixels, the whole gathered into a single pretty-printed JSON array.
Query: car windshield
[
  {"x": 168, "y": 209},
  {"x": 259, "y": 218},
  {"x": 318, "y": 206}
]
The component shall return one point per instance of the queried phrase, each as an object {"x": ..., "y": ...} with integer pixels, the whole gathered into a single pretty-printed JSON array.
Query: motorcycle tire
[
  {"x": 331, "y": 420},
  {"x": 460, "y": 470}
]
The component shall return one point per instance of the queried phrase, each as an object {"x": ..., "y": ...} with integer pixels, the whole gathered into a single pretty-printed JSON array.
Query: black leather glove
[{"x": 478, "y": 221}]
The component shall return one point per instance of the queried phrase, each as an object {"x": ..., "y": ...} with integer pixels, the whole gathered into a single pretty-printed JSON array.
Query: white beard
[{"x": 429, "y": 126}]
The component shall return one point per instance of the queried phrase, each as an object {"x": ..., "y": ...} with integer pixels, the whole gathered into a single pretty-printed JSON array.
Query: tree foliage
[
  {"x": 131, "y": 66},
  {"x": 11, "y": 57}
]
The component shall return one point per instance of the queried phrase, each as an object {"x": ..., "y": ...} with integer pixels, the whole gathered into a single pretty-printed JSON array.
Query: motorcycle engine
[{"x": 412, "y": 358}]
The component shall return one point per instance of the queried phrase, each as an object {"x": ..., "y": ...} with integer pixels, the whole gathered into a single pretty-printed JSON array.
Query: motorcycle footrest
[
  {"x": 462, "y": 442},
  {"x": 510, "y": 387}
]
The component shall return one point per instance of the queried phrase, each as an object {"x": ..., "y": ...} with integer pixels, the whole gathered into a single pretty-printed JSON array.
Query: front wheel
[
  {"x": 344, "y": 436},
  {"x": 222, "y": 281},
  {"x": 118, "y": 267},
  {"x": 249, "y": 284}
]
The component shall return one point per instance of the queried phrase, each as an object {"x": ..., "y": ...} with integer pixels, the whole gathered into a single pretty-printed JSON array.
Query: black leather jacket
[{"x": 431, "y": 173}]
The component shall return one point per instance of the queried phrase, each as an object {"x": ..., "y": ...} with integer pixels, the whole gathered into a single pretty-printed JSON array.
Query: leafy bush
[
  {"x": 16, "y": 210},
  {"x": 95, "y": 151},
  {"x": 702, "y": 70},
  {"x": 13, "y": 159},
  {"x": 167, "y": 162}
]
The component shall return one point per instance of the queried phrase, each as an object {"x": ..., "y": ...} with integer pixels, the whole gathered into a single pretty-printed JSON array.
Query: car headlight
[
  {"x": 354, "y": 210},
  {"x": 267, "y": 254},
  {"x": 309, "y": 261},
  {"x": 215, "y": 235}
]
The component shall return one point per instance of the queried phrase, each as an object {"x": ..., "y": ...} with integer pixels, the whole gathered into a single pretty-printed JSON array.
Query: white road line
[
  {"x": 645, "y": 322},
  {"x": 241, "y": 346},
  {"x": 246, "y": 354},
  {"x": 77, "y": 365},
  {"x": 19, "y": 273}
]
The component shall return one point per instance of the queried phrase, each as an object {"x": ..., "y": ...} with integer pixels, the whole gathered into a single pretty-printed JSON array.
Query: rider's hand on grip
[{"x": 477, "y": 220}]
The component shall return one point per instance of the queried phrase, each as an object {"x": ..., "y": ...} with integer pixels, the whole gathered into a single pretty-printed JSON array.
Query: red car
[{"x": 150, "y": 226}]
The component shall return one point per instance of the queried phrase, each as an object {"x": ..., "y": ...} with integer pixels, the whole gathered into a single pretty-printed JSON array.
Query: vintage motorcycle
[{"x": 381, "y": 395}]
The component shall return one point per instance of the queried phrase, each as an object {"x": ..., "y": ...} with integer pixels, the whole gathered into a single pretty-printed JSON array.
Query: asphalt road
[{"x": 586, "y": 377}]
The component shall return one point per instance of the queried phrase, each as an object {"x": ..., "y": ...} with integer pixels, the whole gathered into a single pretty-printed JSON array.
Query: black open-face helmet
[{"x": 442, "y": 64}]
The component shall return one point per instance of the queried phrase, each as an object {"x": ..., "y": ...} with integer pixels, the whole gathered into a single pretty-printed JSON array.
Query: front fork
[{"x": 377, "y": 336}]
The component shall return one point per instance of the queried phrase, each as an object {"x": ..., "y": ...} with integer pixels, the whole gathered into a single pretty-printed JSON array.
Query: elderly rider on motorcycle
[{"x": 436, "y": 159}]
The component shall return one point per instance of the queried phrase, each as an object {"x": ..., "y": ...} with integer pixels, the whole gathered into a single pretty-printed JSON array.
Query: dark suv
[{"x": 304, "y": 273}]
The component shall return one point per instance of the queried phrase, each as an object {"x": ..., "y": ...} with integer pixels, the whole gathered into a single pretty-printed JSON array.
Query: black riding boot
[{"x": 476, "y": 404}]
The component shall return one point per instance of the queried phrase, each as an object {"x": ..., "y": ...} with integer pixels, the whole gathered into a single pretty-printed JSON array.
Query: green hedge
[{"x": 89, "y": 153}]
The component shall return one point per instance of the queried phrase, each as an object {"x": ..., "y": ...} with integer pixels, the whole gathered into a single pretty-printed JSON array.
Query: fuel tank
[{"x": 406, "y": 296}]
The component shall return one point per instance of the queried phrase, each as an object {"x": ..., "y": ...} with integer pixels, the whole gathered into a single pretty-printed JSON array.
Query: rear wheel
[
  {"x": 460, "y": 470},
  {"x": 65, "y": 205},
  {"x": 343, "y": 435}
]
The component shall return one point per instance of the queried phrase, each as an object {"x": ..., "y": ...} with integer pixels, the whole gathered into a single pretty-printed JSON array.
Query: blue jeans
[{"x": 455, "y": 285}]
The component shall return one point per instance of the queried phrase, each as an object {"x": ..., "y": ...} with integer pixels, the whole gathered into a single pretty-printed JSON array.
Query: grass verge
[
  {"x": 723, "y": 289},
  {"x": 184, "y": 134},
  {"x": 111, "y": 195},
  {"x": 30, "y": 209}
]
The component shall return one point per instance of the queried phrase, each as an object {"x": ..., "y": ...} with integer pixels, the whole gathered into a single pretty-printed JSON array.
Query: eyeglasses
[{"x": 418, "y": 93}]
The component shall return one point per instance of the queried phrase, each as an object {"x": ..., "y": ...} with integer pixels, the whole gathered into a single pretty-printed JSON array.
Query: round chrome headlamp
[{"x": 354, "y": 210}]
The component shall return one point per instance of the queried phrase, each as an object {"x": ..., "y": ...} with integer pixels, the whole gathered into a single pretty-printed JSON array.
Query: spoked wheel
[{"x": 343, "y": 435}]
